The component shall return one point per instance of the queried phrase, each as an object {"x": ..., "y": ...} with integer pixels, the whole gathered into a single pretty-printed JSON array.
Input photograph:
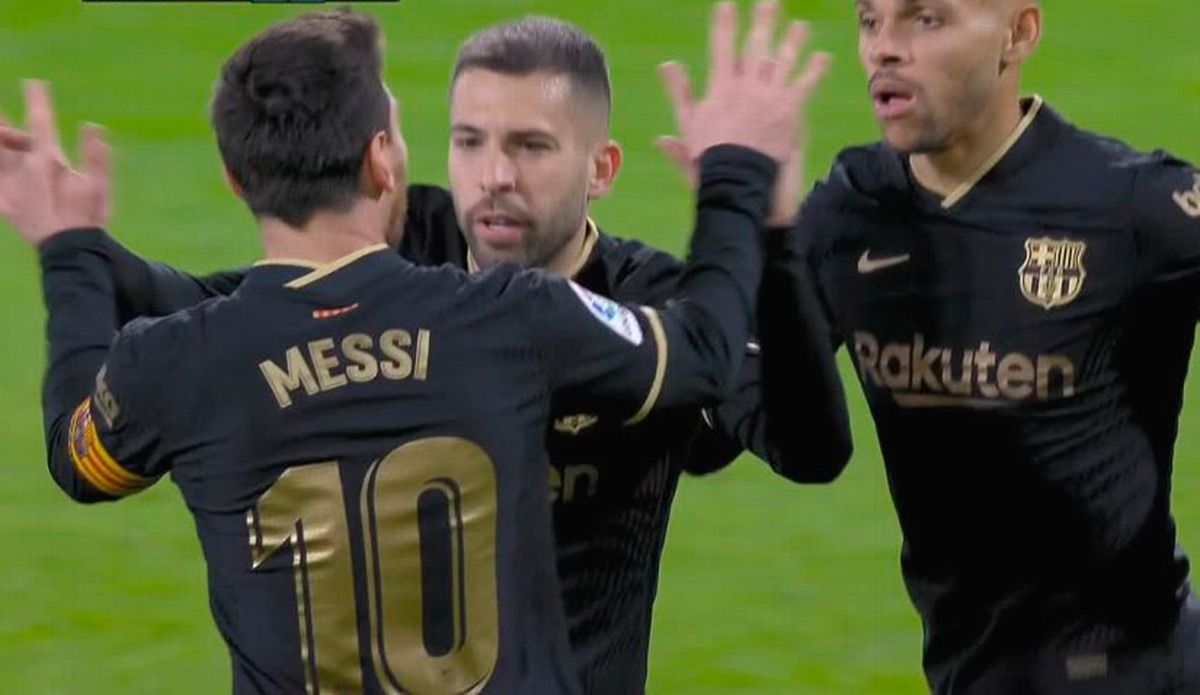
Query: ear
[
  {"x": 1024, "y": 34},
  {"x": 378, "y": 170},
  {"x": 606, "y": 163},
  {"x": 234, "y": 186}
]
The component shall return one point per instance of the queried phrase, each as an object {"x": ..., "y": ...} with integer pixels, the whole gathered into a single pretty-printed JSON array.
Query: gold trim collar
[
  {"x": 990, "y": 163},
  {"x": 319, "y": 270}
]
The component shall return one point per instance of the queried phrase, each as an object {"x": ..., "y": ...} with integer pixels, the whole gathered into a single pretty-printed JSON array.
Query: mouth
[
  {"x": 892, "y": 100},
  {"x": 499, "y": 229}
]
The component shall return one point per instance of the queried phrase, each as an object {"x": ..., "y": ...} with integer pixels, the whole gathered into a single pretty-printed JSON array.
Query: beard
[{"x": 542, "y": 241}]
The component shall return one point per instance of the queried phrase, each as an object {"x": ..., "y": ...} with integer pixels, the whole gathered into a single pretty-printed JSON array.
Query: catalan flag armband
[{"x": 92, "y": 461}]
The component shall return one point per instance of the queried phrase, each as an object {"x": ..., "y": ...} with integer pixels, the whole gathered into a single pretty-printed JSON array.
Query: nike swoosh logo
[{"x": 866, "y": 264}]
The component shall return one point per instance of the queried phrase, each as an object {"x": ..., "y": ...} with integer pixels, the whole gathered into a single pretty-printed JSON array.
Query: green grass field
[{"x": 766, "y": 587}]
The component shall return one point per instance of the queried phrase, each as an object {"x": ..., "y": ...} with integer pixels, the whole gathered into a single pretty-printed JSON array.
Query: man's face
[
  {"x": 934, "y": 66},
  {"x": 520, "y": 164}
]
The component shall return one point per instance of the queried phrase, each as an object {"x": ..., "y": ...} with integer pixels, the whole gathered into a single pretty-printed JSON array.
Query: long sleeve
[
  {"x": 807, "y": 426},
  {"x": 690, "y": 351},
  {"x": 82, "y": 322}
]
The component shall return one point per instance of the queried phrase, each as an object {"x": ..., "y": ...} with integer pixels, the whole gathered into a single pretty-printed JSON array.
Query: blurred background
[{"x": 767, "y": 587}]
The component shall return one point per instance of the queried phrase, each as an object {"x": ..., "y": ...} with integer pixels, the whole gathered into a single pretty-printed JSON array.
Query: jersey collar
[
  {"x": 590, "y": 235},
  {"x": 1033, "y": 107},
  {"x": 316, "y": 271}
]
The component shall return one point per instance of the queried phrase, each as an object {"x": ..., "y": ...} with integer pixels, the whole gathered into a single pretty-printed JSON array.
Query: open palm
[{"x": 40, "y": 194}]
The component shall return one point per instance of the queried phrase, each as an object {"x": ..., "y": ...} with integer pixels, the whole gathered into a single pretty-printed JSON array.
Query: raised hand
[
  {"x": 40, "y": 194},
  {"x": 753, "y": 100}
]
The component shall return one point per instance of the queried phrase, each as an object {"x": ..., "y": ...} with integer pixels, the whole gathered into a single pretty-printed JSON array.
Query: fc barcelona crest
[{"x": 1052, "y": 274}]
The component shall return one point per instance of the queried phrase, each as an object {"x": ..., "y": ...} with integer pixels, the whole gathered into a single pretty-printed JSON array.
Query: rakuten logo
[{"x": 920, "y": 375}]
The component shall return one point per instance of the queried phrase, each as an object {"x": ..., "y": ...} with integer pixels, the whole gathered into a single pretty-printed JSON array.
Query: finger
[
  {"x": 722, "y": 37},
  {"x": 39, "y": 115},
  {"x": 814, "y": 72},
  {"x": 762, "y": 28},
  {"x": 96, "y": 156},
  {"x": 789, "y": 50},
  {"x": 13, "y": 139},
  {"x": 679, "y": 90}
]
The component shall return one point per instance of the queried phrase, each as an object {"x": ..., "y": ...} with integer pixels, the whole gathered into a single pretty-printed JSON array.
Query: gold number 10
[{"x": 429, "y": 534}]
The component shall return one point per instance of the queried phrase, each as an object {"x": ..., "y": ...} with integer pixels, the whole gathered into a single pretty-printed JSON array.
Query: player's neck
[
  {"x": 944, "y": 171},
  {"x": 325, "y": 238},
  {"x": 566, "y": 262}
]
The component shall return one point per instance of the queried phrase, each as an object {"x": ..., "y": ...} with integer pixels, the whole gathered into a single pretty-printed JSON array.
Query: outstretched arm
[{"x": 40, "y": 197}]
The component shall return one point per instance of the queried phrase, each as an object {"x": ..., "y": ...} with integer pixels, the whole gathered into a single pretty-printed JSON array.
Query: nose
[
  {"x": 887, "y": 46},
  {"x": 499, "y": 172}
]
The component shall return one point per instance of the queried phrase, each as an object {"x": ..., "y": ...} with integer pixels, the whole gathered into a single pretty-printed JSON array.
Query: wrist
[{"x": 69, "y": 239}]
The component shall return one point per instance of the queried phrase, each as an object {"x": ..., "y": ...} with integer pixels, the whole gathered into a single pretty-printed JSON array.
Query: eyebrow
[
  {"x": 908, "y": 4},
  {"x": 525, "y": 133}
]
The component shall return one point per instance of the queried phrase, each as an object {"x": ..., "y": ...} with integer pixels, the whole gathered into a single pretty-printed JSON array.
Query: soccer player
[
  {"x": 381, "y": 421},
  {"x": 1019, "y": 296},
  {"x": 530, "y": 111}
]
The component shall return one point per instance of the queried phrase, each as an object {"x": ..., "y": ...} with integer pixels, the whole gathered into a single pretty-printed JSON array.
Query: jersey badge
[
  {"x": 1053, "y": 273},
  {"x": 618, "y": 319}
]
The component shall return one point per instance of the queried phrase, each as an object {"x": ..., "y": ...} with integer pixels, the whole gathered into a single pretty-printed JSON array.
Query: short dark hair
[
  {"x": 294, "y": 110},
  {"x": 538, "y": 44}
]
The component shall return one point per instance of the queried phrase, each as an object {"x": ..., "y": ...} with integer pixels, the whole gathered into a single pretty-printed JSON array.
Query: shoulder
[
  {"x": 631, "y": 271},
  {"x": 862, "y": 176},
  {"x": 150, "y": 357},
  {"x": 174, "y": 330},
  {"x": 864, "y": 181},
  {"x": 1078, "y": 154},
  {"x": 1154, "y": 183}
]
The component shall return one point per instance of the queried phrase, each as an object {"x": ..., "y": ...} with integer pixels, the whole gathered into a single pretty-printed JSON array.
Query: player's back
[{"x": 363, "y": 457}]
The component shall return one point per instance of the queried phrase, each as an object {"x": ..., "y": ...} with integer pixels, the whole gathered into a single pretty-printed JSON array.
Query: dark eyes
[{"x": 924, "y": 20}]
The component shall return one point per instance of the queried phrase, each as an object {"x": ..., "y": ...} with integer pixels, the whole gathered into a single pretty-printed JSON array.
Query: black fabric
[
  {"x": 1022, "y": 352},
  {"x": 260, "y": 404}
]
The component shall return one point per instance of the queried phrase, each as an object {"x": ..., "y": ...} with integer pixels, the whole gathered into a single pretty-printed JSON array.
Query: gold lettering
[
  {"x": 1015, "y": 376},
  {"x": 985, "y": 359},
  {"x": 1048, "y": 363},
  {"x": 961, "y": 385},
  {"x": 282, "y": 383},
  {"x": 1189, "y": 201},
  {"x": 923, "y": 375},
  {"x": 866, "y": 348},
  {"x": 363, "y": 367},
  {"x": 324, "y": 364},
  {"x": 556, "y": 484},
  {"x": 572, "y": 476},
  {"x": 392, "y": 344},
  {"x": 422, "y": 355},
  {"x": 897, "y": 355},
  {"x": 109, "y": 409}
]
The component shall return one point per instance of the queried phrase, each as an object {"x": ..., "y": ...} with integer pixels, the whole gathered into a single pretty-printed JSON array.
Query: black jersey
[
  {"x": 1022, "y": 345},
  {"x": 612, "y": 482},
  {"x": 361, "y": 444},
  {"x": 610, "y": 520}
]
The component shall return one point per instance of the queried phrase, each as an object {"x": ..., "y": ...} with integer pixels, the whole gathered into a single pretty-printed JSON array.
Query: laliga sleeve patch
[{"x": 618, "y": 319}]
